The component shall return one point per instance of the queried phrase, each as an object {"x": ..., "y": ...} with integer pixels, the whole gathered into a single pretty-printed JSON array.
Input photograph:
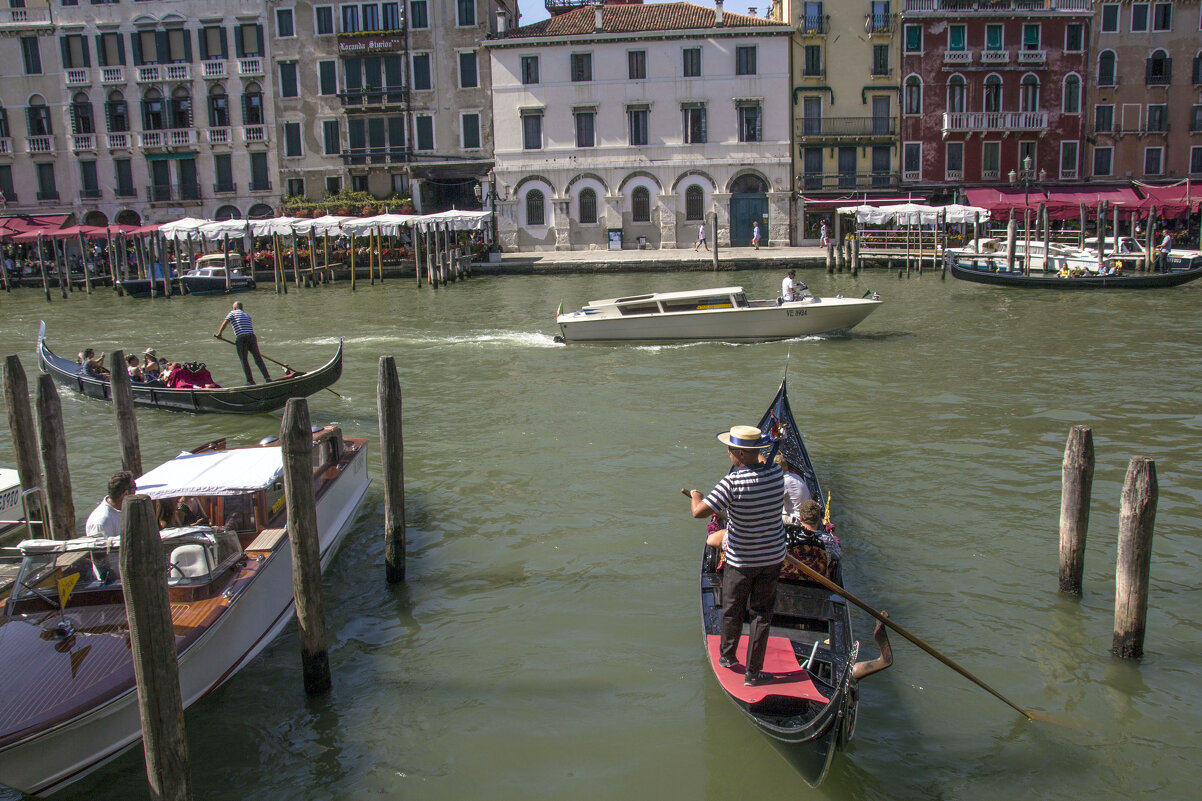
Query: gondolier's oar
[{"x": 281, "y": 364}]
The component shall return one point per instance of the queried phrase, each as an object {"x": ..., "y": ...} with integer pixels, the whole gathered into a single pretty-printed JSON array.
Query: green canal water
[{"x": 547, "y": 645}]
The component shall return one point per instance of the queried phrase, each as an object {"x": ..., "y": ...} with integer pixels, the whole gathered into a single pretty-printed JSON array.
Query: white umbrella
[
  {"x": 455, "y": 220},
  {"x": 956, "y": 213},
  {"x": 178, "y": 230}
]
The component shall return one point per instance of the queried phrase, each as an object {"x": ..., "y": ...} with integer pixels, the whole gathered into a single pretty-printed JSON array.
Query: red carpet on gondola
[{"x": 790, "y": 681}]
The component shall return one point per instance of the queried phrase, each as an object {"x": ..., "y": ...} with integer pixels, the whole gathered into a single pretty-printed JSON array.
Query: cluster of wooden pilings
[
  {"x": 43, "y": 470},
  {"x": 1137, "y": 517}
]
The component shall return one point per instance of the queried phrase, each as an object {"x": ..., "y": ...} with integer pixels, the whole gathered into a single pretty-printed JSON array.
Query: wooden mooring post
[
  {"x": 296, "y": 441},
  {"x": 20, "y": 425},
  {"x": 1074, "y": 507},
  {"x": 127, "y": 423},
  {"x": 392, "y": 458},
  {"x": 714, "y": 238},
  {"x": 59, "y": 499},
  {"x": 152, "y": 643},
  {"x": 1137, "y": 518}
]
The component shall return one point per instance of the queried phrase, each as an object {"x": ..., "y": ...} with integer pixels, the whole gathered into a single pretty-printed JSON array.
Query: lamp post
[
  {"x": 491, "y": 196},
  {"x": 1026, "y": 176}
]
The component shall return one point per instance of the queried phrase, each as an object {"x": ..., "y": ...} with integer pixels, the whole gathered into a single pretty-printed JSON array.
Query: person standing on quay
[
  {"x": 755, "y": 234},
  {"x": 824, "y": 239},
  {"x": 701, "y": 238},
  {"x": 244, "y": 340}
]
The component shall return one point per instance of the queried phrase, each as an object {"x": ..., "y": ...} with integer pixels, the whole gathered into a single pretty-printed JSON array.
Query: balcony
[
  {"x": 49, "y": 194},
  {"x": 254, "y": 133},
  {"x": 995, "y": 57},
  {"x": 880, "y": 71},
  {"x": 112, "y": 75},
  {"x": 212, "y": 69},
  {"x": 83, "y": 142},
  {"x": 877, "y": 24},
  {"x": 1068, "y": 174},
  {"x": 172, "y": 193},
  {"x": 118, "y": 141},
  {"x": 39, "y": 144},
  {"x": 89, "y": 194},
  {"x": 178, "y": 72},
  {"x": 124, "y": 191},
  {"x": 959, "y": 58},
  {"x": 6, "y": 146},
  {"x": 152, "y": 138},
  {"x": 991, "y": 175},
  {"x": 219, "y": 136},
  {"x": 181, "y": 137},
  {"x": 260, "y": 186},
  {"x": 250, "y": 66},
  {"x": 815, "y": 25},
  {"x": 374, "y": 96},
  {"x": 1032, "y": 56},
  {"x": 994, "y": 7},
  {"x": 953, "y": 175},
  {"x": 151, "y": 74},
  {"x": 1158, "y": 72},
  {"x": 909, "y": 176},
  {"x": 846, "y": 127},
  {"x": 374, "y": 155},
  {"x": 229, "y": 188},
  {"x": 994, "y": 121},
  {"x": 21, "y": 18},
  {"x": 78, "y": 77},
  {"x": 816, "y": 182}
]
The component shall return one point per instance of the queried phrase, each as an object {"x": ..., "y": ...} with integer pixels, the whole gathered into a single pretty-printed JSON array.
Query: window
[
  {"x": 323, "y": 17},
  {"x": 179, "y": 46},
  {"x": 31, "y": 56},
  {"x": 813, "y": 61},
  {"x": 219, "y": 108},
  {"x": 1074, "y": 38},
  {"x": 993, "y": 36},
  {"x": 331, "y": 138},
  {"x": 37, "y": 117},
  {"x": 638, "y": 118},
  {"x": 82, "y": 121},
  {"x": 582, "y": 66},
  {"x": 350, "y": 19},
  {"x": 258, "y": 173},
  {"x": 75, "y": 51},
  {"x": 419, "y": 16},
  {"x": 956, "y": 94},
  {"x": 288, "y": 84},
  {"x": 296, "y": 187},
  {"x": 252, "y": 105},
  {"x": 110, "y": 50},
  {"x": 292, "y": 139},
  {"x": 1195, "y": 120},
  {"x": 421, "y": 72},
  {"x": 146, "y": 49},
  {"x": 991, "y": 160},
  {"x": 1103, "y": 119},
  {"x": 390, "y": 17},
  {"x": 694, "y": 196},
  {"x": 913, "y": 38},
  {"x": 327, "y": 77},
  {"x": 1068, "y": 160},
  {"x": 1106, "y": 76},
  {"x": 468, "y": 77},
  {"x": 283, "y": 23},
  {"x": 248, "y": 40},
  {"x": 636, "y": 65},
  {"x": 1139, "y": 17},
  {"x": 117, "y": 113},
  {"x": 88, "y": 180},
  {"x": 1158, "y": 70},
  {"x": 469, "y": 130},
  {"x": 1110, "y": 18},
  {"x": 465, "y": 13},
  {"x": 745, "y": 60},
  {"x": 4, "y": 130},
  {"x": 1026, "y": 150},
  {"x": 1162, "y": 17},
  {"x": 751, "y": 120},
  {"x": 912, "y": 161},
  {"x": 1029, "y": 93},
  {"x": 424, "y": 130},
  {"x": 1195, "y": 160},
  {"x": 532, "y": 131},
  {"x": 333, "y": 184},
  {"x": 1072, "y": 95},
  {"x": 955, "y": 161},
  {"x": 913, "y": 95},
  {"x": 692, "y": 62},
  {"x": 694, "y": 124},
  {"x": 880, "y": 59},
  {"x": 535, "y": 208},
  {"x": 640, "y": 204},
  {"x": 212, "y": 43},
  {"x": 7, "y": 190},
  {"x": 1153, "y": 160},
  {"x": 585, "y": 128},
  {"x": 1198, "y": 69},
  {"x": 587, "y": 202},
  {"x": 47, "y": 187},
  {"x": 1157, "y": 117},
  {"x": 1031, "y": 36},
  {"x": 993, "y": 93},
  {"x": 957, "y": 38},
  {"x": 529, "y": 69}
]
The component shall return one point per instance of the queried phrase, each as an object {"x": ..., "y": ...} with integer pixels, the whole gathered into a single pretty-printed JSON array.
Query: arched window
[
  {"x": 219, "y": 107},
  {"x": 1198, "y": 68},
  {"x": 913, "y": 95},
  {"x": 128, "y": 217},
  {"x": 252, "y": 105},
  {"x": 117, "y": 112},
  {"x": 260, "y": 211},
  {"x": 37, "y": 117},
  {"x": 154, "y": 113},
  {"x": 588, "y": 205},
  {"x": 535, "y": 208},
  {"x": 1072, "y": 94},
  {"x": 82, "y": 121},
  {"x": 640, "y": 204},
  {"x": 4, "y": 131},
  {"x": 993, "y": 93},
  {"x": 181, "y": 108},
  {"x": 955, "y": 94},
  {"x": 694, "y": 196},
  {"x": 1106, "y": 75},
  {"x": 227, "y": 213},
  {"x": 1159, "y": 68},
  {"x": 1029, "y": 94}
]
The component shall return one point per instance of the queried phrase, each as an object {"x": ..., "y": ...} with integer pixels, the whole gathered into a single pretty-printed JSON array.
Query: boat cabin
[
  {"x": 731, "y": 297},
  {"x": 212, "y": 265}
]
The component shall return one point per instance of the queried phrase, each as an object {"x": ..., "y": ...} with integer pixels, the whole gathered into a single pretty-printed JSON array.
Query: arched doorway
[
  {"x": 128, "y": 217},
  {"x": 227, "y": 213},
  {"x": 260, "y": 211},
  {"x": 95, "y": 218},
  {"x": 748, "y": 203}
]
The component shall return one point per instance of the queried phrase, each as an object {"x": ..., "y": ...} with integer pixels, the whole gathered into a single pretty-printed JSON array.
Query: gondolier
[
  {"x": 750, "y": 496},
  {"x": 245, "y": 340}
]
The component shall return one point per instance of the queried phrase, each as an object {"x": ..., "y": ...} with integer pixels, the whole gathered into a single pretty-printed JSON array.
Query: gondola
[
  {"x": 809, "y": 711},
  {"x": 250, "y": 399},
  {"x": 984, "y": 274}
]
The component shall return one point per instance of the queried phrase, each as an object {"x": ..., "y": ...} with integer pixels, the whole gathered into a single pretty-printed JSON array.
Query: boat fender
[{"x": 268, "y": 440}]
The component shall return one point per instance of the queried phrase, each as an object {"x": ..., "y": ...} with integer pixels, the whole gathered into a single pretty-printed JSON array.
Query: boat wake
[{"x": 504, "y": 338}]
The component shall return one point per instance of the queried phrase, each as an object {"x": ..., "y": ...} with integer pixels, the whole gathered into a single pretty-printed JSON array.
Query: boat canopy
[
  {"x": 28, "y": 547},
  {"x": 232, "y": 472}
]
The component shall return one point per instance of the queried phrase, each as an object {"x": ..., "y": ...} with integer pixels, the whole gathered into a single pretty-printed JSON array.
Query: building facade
[
  {"x": 993, "y": 86},
  {"x": 1145, "y": 103},
  {"x": 627, "y": 125}
]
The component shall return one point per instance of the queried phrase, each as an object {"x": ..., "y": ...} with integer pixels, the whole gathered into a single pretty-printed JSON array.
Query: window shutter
[
  {"x": 74, "y": 118},
  {"x": 108, "y": 115},
  {"x": 101, "y": 61},
  {"x": 759, "y": 123},
  {"x": 225, "y": 50},
  {"x": 187, "y": 47},
  {"x": 239, "y": 45},
  {"x": 259, "y": 38},
  {"x": 396, "y": 132},
  {"x": 65, "y": 47},
  {"x": 701, "y": 111},
  {"x": 29, "y": 120},
  {"x": 145, "y": 115},
  {"x": 120, "y": 51},
  {"x": 136, "y": 41},
  {"x": 392, "y": 72},
  {"x": 203, "y": 43},
  {"x": 162, "y": 46},
  {"x": 87, "y": 57}
]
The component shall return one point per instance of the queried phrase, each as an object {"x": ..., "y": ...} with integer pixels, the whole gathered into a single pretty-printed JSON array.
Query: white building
[{"x": 641, "y": 119}]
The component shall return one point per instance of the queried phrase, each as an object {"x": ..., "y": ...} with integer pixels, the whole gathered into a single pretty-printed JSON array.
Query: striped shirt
[
  {"x": 751, "y": 500},
  {"x": 241, "y": 321}
]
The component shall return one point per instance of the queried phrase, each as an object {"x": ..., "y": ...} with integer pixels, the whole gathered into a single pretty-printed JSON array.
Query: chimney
[
  {"x": 598, "y": 26},
  {"x": 717, "y": 13},
  {"x": 501, "y": 20}
]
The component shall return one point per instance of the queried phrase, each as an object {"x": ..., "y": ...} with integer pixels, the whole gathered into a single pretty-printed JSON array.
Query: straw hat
[
  {"x": 150, "y": 352},
  {"x": 746, "y": 437}
]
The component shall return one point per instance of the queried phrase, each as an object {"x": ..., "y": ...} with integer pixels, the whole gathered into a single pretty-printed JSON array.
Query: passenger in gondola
[
  {"x": 150, "y": 364},
  {"x": 809, "y": 544},
  {"x": 796, "y": 490},
  {"x": 93, "y": 364},
  {"x": 134, "y": 369}
]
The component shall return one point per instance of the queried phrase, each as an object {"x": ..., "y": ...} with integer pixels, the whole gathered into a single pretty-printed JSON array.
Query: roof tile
[{"x": 636, "y": 18}]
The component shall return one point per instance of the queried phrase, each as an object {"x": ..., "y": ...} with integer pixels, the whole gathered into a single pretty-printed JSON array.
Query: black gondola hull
[{"x": 983, "y": 275}]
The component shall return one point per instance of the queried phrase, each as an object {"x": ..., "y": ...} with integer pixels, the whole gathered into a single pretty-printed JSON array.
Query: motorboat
[
  {"x": 722, "y": 313},
  {"x": 209, "y": 276},
  {"x": 70, "y": 702},
  {"x": 1129, "y": 252},
  {"x": 1029, "y": 257},
  {"x": 10, "y": 499}
]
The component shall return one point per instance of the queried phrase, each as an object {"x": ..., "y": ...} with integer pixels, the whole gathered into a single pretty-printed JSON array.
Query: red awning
[
  {"x": 856, "y": 200},
  {"x": 10, "y": 226},
  {"x": 1002, "y": 202},
  {"x": 1065, "y": 204},
  {"x": 1171, "y": 202}
]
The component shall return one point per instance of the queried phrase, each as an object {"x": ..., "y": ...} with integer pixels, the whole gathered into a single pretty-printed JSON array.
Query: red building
[{"x": 987, "y": 84}]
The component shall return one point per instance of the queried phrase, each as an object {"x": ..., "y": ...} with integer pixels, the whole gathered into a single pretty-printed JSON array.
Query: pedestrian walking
[
  {"x": 755, "y": 234},
  {"x": 244, "y": 340},
  {"x": 701, "y": 238},
  {"x": 826, "y": 240}
]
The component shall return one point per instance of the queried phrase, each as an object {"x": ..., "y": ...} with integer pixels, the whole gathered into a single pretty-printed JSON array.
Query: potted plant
[{"x": 406, "y": 205}]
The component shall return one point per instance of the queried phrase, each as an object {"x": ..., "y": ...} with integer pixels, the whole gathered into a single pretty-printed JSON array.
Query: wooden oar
[{"x": 273, "y": 361}]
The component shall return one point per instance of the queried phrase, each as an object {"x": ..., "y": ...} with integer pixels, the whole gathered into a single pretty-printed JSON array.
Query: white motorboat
[
  {"x": 990, "y": 253},
  {"x": 70, "y": 703},
  {"x": 723, "y": 314},
  {"x": 1129, "y": 251},
  {"x": 10, "y": 499},
  {"x": 209, "y": 276}
]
